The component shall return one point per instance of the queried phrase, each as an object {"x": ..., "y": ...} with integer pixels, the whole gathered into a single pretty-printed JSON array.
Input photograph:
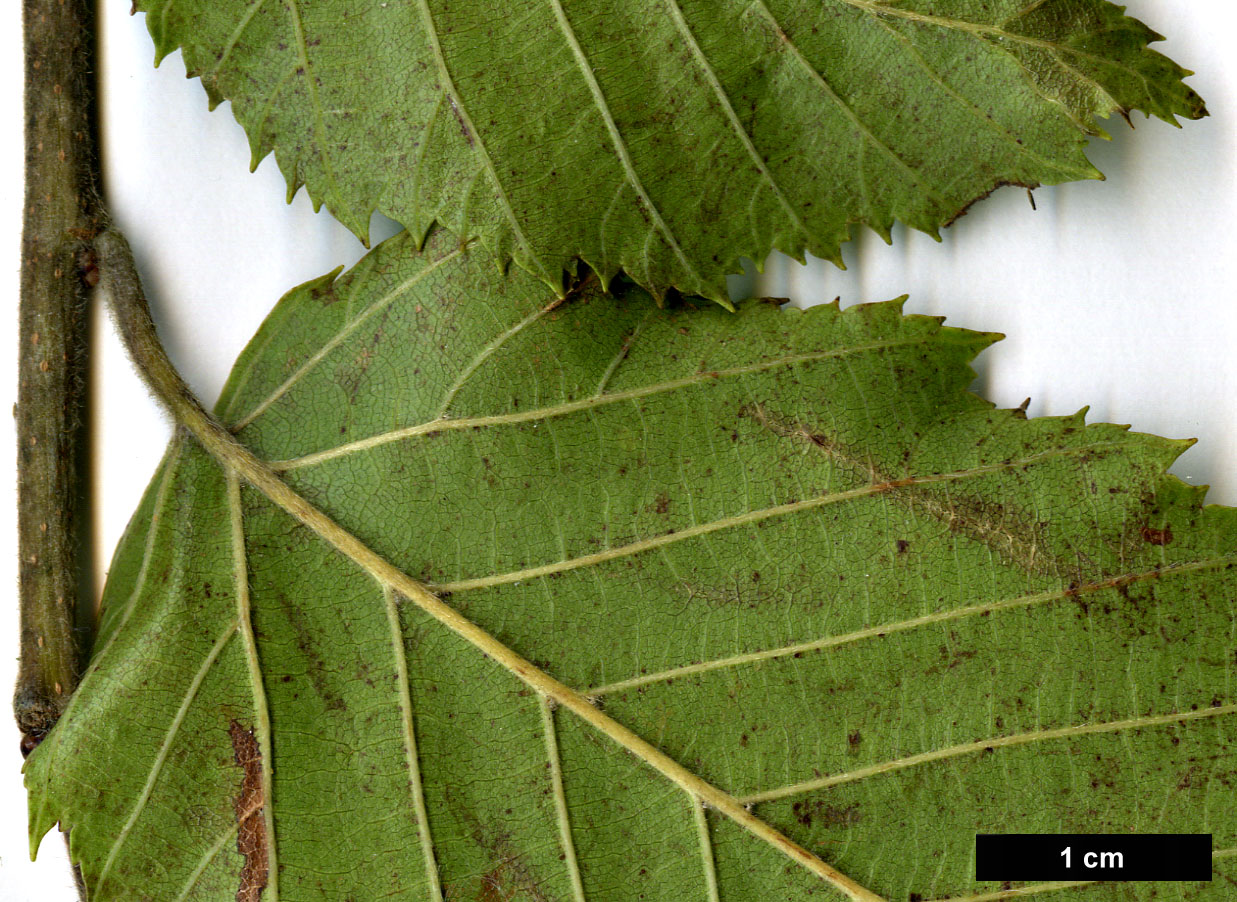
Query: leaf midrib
[
  {"x": 238, "y": 462},
  {"x": 244, "y": 464}
]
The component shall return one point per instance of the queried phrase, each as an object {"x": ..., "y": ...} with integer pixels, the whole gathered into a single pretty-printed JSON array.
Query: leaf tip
[
  {"x": 993, "y": 337},
  {"x": 40, "y": 823},
  {"x": 796, "y": 252}
]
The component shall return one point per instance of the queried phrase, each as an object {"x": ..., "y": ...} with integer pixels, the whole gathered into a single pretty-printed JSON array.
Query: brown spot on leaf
[
  {"x": 251, "y": 832},
  {"x": 511, "y": 876},
  {"x": 1158, "y": 536},
  {"x": 832, "y": 815},
  {"x": 1012, "y": 533},
  {"x": 803, "y": 813},
  {"x": 315, "y": 667},
  {"x": 459, "y": 117},
  {"x": 325, "y": 294},
  {"x": 499, "y": 886},
  {"x": 838, "y": 816}
]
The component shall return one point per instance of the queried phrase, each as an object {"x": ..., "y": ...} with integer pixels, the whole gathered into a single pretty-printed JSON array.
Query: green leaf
[
  {"x": 669, "y": 138},
  {"x": 788, "y": 551}
]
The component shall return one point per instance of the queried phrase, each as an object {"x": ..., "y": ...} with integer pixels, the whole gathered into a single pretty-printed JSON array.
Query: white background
[{"x": 1118, "y": 295}]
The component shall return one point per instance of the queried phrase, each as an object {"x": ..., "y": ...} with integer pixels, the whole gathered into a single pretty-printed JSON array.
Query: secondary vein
[
  {"x": 412, "y": 760},
  {"x": 161, "y": 757},
  {"x": 616, "y": 139},
  {"x": 261, "y": 713},
  {"x": 563, "y": 815},
  {"x": 747, "y": 518},
  {"x": 138, "y": 332},
  {"x": 723, "y": 99},
  {"x": 557, "y": 410},
  {"x": 982, "y": 745},
  {"x": 886, "y": 629},
  {"x": 338, "y": 338}
]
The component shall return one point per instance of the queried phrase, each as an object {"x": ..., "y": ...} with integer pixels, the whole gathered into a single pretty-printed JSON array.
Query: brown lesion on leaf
[
  {"x": 1160, "y": 537},
  {"x": 325, "y": 293},
  {"x": 351, "y": 378},
  {"x": 809, "y": 812},
  {"x": 459, "y": 117},
  {"x": 248, "y": 806},
  {"x": 1014, "y": 536},
  {"x": 740, "y": 593},
  {"x": 307, "y": 644},
  {"x": 510, "y": 878},
  {"x": 504, "y": 883}
]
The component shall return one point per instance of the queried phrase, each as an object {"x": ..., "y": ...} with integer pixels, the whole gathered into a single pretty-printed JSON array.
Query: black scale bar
[{"x": 1075, "y": 856}]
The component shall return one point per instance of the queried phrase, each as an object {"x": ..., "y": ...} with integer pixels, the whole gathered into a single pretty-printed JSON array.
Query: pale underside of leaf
[
  {"x": 669, "y": 138},
  {"x": 721, "y": 604}
]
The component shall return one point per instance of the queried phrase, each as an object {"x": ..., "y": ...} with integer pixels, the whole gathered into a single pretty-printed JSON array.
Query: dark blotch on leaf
[
  {"x": 251, "y": 832},
  {"x": 1158, "y": 536}
]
